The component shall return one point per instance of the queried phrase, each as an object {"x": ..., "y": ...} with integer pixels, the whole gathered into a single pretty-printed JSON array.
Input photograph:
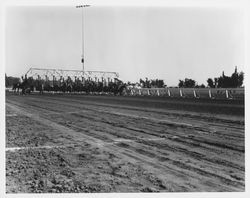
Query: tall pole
[{"x": 82, "y": 59}]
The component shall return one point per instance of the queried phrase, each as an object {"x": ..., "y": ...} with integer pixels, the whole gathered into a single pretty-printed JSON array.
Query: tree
[
  {"x": 225, "y": 81},
  {"x": 160, "y": 83},
  {"x": 10, "y": 81},
  {"x": 181, "y": 83},
  {"x": 142, "y": 82},
  {"x": 215, "y": 82},
  {"x": 187, "y": 83},
  {"x": 200, "y": 86},
  {"x": 6, "y": 81},
  {"x": 234, "y": 78},
  {"x": 210, "y": 82},
  {"x": 157, "y": 83},
  {"x": 233, "y": 81},
  {"x": 152, "y": 83},
  {"x": 240, "y": 79},
  {"x": 147, "y": 83}
]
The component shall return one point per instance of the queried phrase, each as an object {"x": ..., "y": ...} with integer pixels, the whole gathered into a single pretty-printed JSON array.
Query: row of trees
[
  {"x": 223, "y": 81},
  {"x": 235, "y": 80},
  {"x": 189, "y": 83},
  {"x": 153, "y": 83}
]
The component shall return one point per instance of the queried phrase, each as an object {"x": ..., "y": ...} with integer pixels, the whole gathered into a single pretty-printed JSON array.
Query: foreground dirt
[{"x": 91, "y": 144}]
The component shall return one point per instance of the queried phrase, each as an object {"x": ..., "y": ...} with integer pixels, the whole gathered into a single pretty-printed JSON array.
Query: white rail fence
[{"x": 213, "y": 93}]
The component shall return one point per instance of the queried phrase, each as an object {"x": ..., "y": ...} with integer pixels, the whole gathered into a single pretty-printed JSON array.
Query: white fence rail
[
  {"x": 213, "y": 93},
  {"x": 219, "y": 93}
]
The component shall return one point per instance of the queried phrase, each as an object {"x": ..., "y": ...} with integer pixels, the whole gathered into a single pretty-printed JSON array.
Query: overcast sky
[{"x": 168, "y": 43}]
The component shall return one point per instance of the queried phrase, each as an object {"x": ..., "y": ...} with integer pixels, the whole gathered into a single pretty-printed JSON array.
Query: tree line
[
  {"x": 10, "y": 81},
  {"x": 223, "y": 81},
  {"x": 233, "y": 81}
]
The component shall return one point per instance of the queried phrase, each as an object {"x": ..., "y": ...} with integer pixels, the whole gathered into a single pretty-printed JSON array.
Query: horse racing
[
  {"x": 69, "y": 84},
  {"x": 109, "y": 99}
]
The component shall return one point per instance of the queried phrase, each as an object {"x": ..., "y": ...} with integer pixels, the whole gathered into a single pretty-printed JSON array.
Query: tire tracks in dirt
[
  {"x": 143, "y": 156},
  {"x": 186, "y": 139},
  {"x": 231, "y": 123},
  {"x": 189, "y": 139},
  {"x": 148, "y": 163}
]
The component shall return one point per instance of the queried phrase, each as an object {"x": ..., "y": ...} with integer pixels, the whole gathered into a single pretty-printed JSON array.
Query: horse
[
  {"x": 39, "y": 85},
  {"x": 119, "y": 89},
  {"x": 63, "y": 86},
  {"x": 16, "y": 87},
  {"x": 27, "y": 85},
  {"x": 25, "y": 88},
  {"x": 69, "y": 88}
]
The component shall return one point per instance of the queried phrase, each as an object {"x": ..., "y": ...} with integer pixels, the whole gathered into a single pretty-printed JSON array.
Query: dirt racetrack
[{"x": 79, "y": 143}]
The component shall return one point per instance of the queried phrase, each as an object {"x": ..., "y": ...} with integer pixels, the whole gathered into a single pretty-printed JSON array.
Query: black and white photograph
[{"x": 131, "y": 98}]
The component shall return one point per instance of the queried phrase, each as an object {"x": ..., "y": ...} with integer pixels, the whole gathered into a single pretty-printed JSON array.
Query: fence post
[
  {"x": 195, "y": 94},
  {"x": 140, "y": 92},
  {"x": 209, "y": 93},
  {"x": 169, "y": 93},
  {"x": 158, "y": 93},
  {"x": 230, "y": 95},
  {"x": 226, "y": 94},
  {"x": 180, "y": 92}
]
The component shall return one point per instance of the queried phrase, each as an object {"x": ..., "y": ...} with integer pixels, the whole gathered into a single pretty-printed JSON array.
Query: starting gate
[{"x": 50, "y": 74}]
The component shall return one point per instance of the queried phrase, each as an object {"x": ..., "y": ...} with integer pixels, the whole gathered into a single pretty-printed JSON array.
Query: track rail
[
  {"x": 213, "y": 93},
  {"x": 195, "y": 93}
]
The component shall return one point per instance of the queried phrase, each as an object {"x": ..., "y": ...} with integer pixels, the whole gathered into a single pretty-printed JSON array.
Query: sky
[{"x": 169, "y": 43}]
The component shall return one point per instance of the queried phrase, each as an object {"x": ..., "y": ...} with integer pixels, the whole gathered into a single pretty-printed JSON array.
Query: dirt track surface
[{"x": 58, "y": 143}]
